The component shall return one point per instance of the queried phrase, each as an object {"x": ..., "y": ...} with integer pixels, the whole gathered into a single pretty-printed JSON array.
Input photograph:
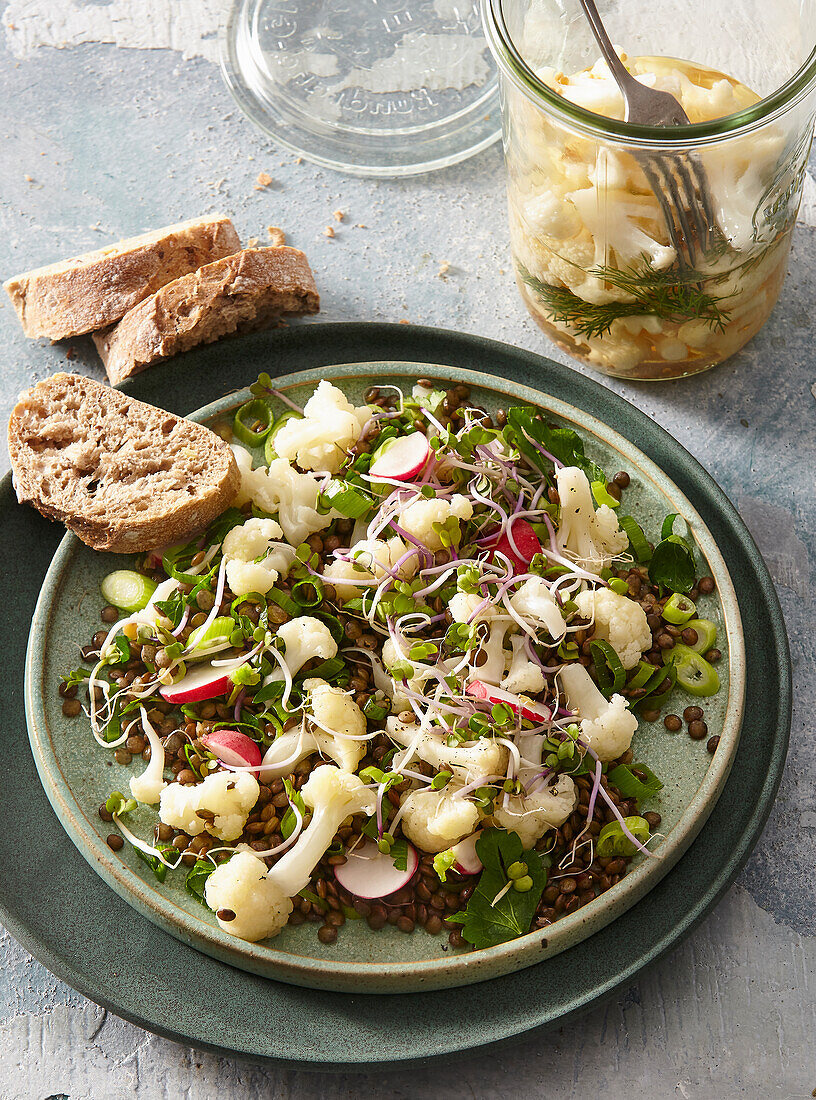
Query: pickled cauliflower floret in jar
[{"x": 595, "y": 261}]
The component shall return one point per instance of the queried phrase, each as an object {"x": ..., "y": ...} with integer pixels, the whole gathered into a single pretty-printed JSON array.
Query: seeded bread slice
[
  {"x": 94, "y": 290},
  {"x": 122, "y": 475},
  {"x": 252, "y": 289}
]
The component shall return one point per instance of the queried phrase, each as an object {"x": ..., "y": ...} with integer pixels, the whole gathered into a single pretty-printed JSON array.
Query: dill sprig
[{"x": 671, "y": 295}]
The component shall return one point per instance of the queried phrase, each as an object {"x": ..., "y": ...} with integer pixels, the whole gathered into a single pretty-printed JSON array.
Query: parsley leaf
[
  {"x": 289, "y": 819},
  {"x": 196, "y": 878},
  {"x": 488, "y": 919},
  {"x": 672, "y": 565}
]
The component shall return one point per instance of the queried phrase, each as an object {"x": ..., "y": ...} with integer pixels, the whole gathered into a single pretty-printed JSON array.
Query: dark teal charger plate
[{"x": 54, "y": 904}]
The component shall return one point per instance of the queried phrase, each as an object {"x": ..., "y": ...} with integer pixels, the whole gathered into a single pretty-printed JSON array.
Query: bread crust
[
  {"x": 122, "y": 475},
  {"x": 249, "y": 290},
  {"x": 96, "y": 289}
]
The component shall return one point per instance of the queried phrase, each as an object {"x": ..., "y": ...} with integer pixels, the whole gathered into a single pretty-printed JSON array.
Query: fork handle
[{"x": 619, "y": 71}]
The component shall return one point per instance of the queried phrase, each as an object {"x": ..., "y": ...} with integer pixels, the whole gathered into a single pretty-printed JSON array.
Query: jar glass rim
[{"x": 513, "y": 66}]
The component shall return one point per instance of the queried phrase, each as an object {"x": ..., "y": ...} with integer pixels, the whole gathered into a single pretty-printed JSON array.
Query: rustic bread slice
[
  {"x": 122, "y": 475},
  {"x": 239, "y": 293},
  {"x": 94, "y": 290}
]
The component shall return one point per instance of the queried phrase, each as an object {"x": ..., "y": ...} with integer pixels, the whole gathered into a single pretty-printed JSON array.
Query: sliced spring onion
[
  {"x": 308, "y": 592},
  {"x": 284, "y": 601},
  {"x": 611, "y": 673},
  {"x": 656, "y": 682},
  {"x": 346, "y": 498},
  {"x": 269, "y": 446},
  {"x": 694, "y": 673},
  {"x": 706, "y": 634},
  {"x": 219, "y": 630},
  {"x": 630, "y": 786},
  {"x": 603, "y": 496},
  {"x": 127, "y": 590},
  {"x": 253, "y": 412},
  {"x": 612, "y": 841},
  {"x": 642, "y": 676},
  {"x": 637, "y": 540},
  {"x": 679, "y": 609}
]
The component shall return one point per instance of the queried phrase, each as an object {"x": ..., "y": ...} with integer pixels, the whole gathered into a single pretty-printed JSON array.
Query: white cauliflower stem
[
  {"x": 592, "y": 538},
  {"x": 282, "y": 489},
  {"x": 463, "y": 607},
  {"x": 535, "y": 603},
  {"x": 619, "y": 621},
  {"x": 468, "y": 762},
  {"x": 531, "y": 815},
  {"x": 523, "y": 675},
  {"x": 330, "y": 426},
  {"x": 248, "y": 542},
  {"x": 436, "y": 820},
  {"x": 261, "y": 900},
  {"x": 607, "y": 725},
  {"x": 337, "y": 721},
  {"x": 228, "y": 795}
]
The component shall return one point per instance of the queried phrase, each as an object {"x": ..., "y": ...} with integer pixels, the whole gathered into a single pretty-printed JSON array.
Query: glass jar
[{"x": 595, "y": 262}]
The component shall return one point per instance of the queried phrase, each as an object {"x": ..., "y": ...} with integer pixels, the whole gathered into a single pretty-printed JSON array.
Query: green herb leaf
[
  {"x": 117, "y": 804},
  {"x": 289, "y": 820},
  {"x": 488, "y": 919},
  {"x": 196, "y": 879},
  {"x": 565, "y": 444},
  {"x": 611, "y": 673},
  {"x": 672, "y": 565},
  {"x": 75, "y": 676},
  {"x": 637, "y": 540},
  {"x": 399, "y": 854}
]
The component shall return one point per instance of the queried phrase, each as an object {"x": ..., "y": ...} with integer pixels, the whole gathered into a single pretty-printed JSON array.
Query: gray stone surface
[{"x": 100, "y": 142}]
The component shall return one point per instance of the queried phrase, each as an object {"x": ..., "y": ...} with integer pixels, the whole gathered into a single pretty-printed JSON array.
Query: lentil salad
[{"x": 487, "y": 634}]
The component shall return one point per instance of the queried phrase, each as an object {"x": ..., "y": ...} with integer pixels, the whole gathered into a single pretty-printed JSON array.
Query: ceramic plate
[{"x": 78, "y": 776}]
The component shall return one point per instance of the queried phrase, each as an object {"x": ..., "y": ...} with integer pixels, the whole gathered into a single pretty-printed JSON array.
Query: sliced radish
[
  {"x": 202, "y": 682},
  {"x": 535, "y": 712},
  {"x": 526, "y": 540},
  {"x": 370, "y": 873},
  {"x": 402, "y": 458},
  {"x": 467, "y": 861},
  {"x": 233, "y": 747}
]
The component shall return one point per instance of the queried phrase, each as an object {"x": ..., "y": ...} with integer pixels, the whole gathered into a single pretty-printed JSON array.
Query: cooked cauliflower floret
[
  {"x": 534, "y": 602},
  {"x": 331, "y": 425},
  {"x": 338, "y": 720},
  {"x": 419, "y": 517},
  {"x": 370, "y": 559},
  {"x": 282, "y": 489},
  {"x": 436, "y": 820},
  {"x": 467, "y": 761},
  {"x": 248, "y": 542},
  {"x": 241, "y": 886},
  {"x": 607, "y": 725},
  {"x": 619, "y": 621},
  {"x": 523, "y": 675},
  {"x": 593, "y": 538},
  {"x": 304, "y": 638},
  {"x": 228, "y": 795},
  {"x": 531, "y": 815}
]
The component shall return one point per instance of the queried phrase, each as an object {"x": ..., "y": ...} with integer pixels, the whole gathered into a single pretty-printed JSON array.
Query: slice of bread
[
  {"x": 89, "y": 292},
  {"x": 250, "y": 290},
  {"x": 122, "y": 475}
]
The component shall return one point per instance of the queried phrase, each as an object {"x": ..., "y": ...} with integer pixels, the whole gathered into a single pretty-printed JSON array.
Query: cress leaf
[
  {"x": 672, "y": 565},
  {"x": 196, "y": 878},
  {"x": 487, "y": 922}
]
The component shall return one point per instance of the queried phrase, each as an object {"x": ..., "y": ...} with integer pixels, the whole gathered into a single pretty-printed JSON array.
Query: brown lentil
[
  {"x": 673, "y": 723},
  {"x": 713, "y": 655},
  {"x": 71, "y": 707},
  {"x": 115, "y": 842},
  {"x": 712, "y": 744},
  {"x": 698, "y": 730},
  {"x": 706, "y": 585},
  {"x": 691, "y": 714}
]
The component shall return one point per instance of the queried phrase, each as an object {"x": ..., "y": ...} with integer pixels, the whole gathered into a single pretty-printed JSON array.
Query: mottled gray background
[{"x": 100, "y": 142}]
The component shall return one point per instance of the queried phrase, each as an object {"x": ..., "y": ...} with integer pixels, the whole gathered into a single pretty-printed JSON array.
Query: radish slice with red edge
[
  {"x": 370, "y": 873},
  {"x": 526, "y": 540},
  {"x": 202, "y": 682},
  {"x": 467, "y": 861},
  {"x": 403, "y": 459},
  {"x": 233, "y": 747},
  {"x": 535, "y": 712}
]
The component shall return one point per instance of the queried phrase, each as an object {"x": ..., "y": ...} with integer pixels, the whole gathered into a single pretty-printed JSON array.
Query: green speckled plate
[
  {"x": 78, "y": 776},
  {"x": 59, "y": 909}
]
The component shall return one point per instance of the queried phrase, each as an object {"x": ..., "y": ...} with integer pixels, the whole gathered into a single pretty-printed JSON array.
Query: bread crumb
[
  {"x": 252, "y": 242},
  {"x": 70, "y": 353},
  {"x": 28, "y": 179},
  {"x": 444, "y": 268},
  {"x": 339, "y": 215},
  {"x": 263, "y": 180},
  {"x": 404, "y": 321},
  {"x": 360, "y": 225},
  {"x": 298, "y": 160},
  {"x": 277, "y": 237},
  {"x": 328, "y": 231}
]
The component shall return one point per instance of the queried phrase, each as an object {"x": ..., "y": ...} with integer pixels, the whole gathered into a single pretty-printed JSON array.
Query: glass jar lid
[{"x": 370, "y": 87}]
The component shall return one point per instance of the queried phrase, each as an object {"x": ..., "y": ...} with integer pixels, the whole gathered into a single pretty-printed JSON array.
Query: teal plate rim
[{"x": 166, "y": 986}]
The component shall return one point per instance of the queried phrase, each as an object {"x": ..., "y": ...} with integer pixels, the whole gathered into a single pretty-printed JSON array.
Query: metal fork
[{"x": 678, "y": 180}]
